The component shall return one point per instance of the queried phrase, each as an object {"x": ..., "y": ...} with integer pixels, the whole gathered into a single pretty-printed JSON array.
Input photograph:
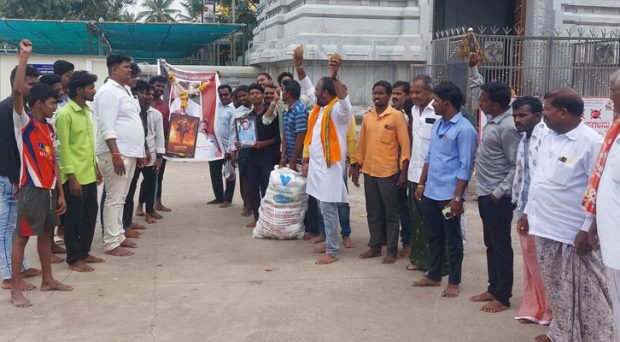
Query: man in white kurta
[
  {"x": 607, "y": 202},
  {"x": 325, "y": 182},
  {"x": 608, "y": 226}
]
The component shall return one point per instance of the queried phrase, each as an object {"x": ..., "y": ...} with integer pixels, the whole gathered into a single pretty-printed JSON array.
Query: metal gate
[{"x": 531, "y": 65}]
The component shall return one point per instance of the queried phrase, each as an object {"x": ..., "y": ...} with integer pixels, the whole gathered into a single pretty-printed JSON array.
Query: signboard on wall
[{"x": 44, "y": 69}]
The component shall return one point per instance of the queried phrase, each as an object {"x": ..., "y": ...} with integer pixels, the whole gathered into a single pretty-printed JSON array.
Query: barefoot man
[
  {"x": 447, "y": 169},
  {"x": 326, "y": 139},
  {"x": 495, "y": 170},
  {"x": 40, "y": 196},
  {"x": 383, "y": 134},
  {"x": 9, "y": 181},
  {"x": 79, "y": 172},
  {"x": 120, "y": 143}
]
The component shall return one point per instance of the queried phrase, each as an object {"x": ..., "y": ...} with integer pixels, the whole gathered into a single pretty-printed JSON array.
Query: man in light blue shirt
[
  {"x": 447, "y": 170},
  {"x": 223, "y": 122}
]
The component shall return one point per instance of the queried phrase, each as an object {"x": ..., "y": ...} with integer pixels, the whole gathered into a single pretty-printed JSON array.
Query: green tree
[
  {"x": 193, "y": 10},
  {"x": 158, "y": 11},
  {"x": 109, "y": 10}
]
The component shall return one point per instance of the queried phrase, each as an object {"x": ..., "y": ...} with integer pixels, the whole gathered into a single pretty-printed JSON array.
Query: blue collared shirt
[
  {"x": 450, "y": 156},
  {"x": 295, "y": 122},
  {"x": 223, "y": 123}
]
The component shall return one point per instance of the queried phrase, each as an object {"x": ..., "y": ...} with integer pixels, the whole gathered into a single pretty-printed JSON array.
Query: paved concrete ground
[{"x": 199, "y": 276}]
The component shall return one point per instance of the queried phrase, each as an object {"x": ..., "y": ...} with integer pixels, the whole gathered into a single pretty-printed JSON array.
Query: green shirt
[{"x": 74, "y": 131}]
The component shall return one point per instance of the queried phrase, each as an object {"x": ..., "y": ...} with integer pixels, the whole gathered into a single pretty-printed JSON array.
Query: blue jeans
[
  {"x": 343, "y": 218},
  {"x": 343, "y": 214},
  {"x": 8, "y": 220},
  {"x": 329, "y": 211}
]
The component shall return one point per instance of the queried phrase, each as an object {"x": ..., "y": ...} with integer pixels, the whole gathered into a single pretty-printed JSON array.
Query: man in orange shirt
[{"x": 383, "y": 131}]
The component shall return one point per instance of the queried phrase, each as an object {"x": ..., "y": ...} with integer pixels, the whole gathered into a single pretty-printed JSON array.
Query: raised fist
[
  {"x": 298, "y": 56},
  {"x": 25, "y": 47}
]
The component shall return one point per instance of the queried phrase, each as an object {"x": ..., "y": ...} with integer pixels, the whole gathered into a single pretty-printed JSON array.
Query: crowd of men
[{"x": 417, "y": 150}]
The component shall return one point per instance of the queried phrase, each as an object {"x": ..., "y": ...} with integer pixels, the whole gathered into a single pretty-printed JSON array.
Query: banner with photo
[{"x": 193, "y": 94}]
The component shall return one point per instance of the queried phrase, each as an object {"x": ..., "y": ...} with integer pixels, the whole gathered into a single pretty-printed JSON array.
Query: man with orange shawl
[
  {"x": 602, "y": 201},
  {"x": 326, "y": 142}
]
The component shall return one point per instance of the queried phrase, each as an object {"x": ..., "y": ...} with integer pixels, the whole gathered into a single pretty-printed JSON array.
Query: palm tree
[
  {"x": 193, "y": 10},
  {"x": 158, "y": 11}
]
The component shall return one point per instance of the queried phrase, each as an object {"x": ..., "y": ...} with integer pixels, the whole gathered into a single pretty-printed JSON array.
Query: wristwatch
[{"x": 458, "y": 199}]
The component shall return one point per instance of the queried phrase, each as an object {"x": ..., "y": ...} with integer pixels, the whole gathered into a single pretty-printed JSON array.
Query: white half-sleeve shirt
[{"x": 564, "y": 165}]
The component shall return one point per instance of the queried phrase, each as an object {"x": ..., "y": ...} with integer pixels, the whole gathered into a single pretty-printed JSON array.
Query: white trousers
[{"x": 116, "y": 188}]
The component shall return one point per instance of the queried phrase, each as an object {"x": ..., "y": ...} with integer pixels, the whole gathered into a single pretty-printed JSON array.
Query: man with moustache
[
  {"x": 401, "y": 100},
  {"x": 120, "y": 145},
  {"x": 527, "y": 114},
  {"x": 422, "y": 119},
  {"x": 574, "y": 274},
  {"x": 382, "y": 135}
]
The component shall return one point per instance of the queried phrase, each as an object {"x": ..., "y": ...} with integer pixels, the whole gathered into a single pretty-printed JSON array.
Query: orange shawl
[
  {"x": 329, "y": 134},
  {"x": 589, "y": 199}
]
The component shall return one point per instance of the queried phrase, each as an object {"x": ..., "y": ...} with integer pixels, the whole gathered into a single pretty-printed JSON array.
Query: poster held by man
[
  {"x": 193, "y": 94},
  {"x": 183, "y": 136}
]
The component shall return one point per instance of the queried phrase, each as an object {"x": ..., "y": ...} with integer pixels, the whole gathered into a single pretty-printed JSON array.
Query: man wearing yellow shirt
[
  {"x": 384, "y": 130},
  {"x": 79, "y": 171}
]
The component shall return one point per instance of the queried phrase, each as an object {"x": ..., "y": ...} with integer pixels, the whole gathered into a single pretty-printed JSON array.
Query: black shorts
[{"x": 36, "y": 210}]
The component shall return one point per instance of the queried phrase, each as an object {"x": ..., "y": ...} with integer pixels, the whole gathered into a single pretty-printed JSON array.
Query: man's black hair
[
  {"x": 80, "y": 79},
  {"x": 271, "y": 85},
  {"x": 294, "y": 88},
  {"x": 571, "y": 102},
  {"x": 328, "y": 85},
  {"x": 224, "y": 86},
  {"x": 385, "y": 84},
  {"x": 49, "y": 79},
  {"x": 243, "y": 88},
  {"x": 62, "y": 67},
  {"x": 265, "y": 74},
  {"x": 41, "y": 92},
  {"x": 448, "y": 91},
  {"x": 156, "y": 79},
  {"x": 30, "y": 72},
  {"x": 113, "y": 60},
  {"x": 283, "y": 75},
  {"x": 499, "y": 92},
  {"x": 255, "y": 86},
  {"x": 534, "y": 103},
  {"x": 141, "y": 85},
  {"x": 135, "y": 70},
  {"x": 402, "y": 84}
]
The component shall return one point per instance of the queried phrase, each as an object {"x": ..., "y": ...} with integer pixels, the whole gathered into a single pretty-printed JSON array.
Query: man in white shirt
[
  {"x": 527, "y": 115},
  {"x": 423, "y": 117},
  {"x": 120, "y": 143},
  {"x": 326, "y": 163},
  {"x": 604, "y": 196},
  {"x": 223, "y": 122},
  {"x": 240, "y": 157},
  {"x": 573, "y": 274}
]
